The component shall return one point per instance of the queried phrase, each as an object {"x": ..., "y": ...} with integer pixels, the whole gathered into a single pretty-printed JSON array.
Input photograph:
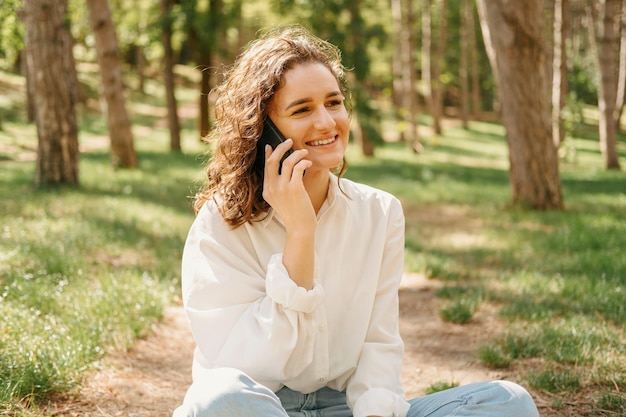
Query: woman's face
[{"x": 309, "y": 108}]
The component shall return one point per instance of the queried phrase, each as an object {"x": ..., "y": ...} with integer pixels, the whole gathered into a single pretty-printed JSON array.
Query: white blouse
[{"x": 246, "y": 313}]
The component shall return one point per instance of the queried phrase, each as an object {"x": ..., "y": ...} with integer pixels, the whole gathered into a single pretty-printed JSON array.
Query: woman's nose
[{"x": 324, "y": 120}]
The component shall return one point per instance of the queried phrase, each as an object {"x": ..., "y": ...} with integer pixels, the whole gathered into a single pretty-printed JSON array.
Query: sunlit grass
[
  {"x": 558, "y": 380},
  {"x": 440, "y": 386}
]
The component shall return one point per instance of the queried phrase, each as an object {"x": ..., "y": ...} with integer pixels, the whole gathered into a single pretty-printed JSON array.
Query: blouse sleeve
[
  {"x": 375, "y": 388},
  {"x": 243, "y": 314}
]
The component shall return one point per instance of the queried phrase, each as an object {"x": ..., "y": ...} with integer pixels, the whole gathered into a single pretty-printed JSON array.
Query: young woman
[{"x": 291, "y": 273}]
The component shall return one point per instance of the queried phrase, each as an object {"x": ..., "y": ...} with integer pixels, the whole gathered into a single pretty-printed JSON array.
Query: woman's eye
[
  {"x": 301, "y": 110},
  {"x": 334, "y": 103}
]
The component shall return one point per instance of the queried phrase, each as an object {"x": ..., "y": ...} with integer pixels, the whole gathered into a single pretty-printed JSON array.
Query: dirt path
[
  {"x": 438, "y": 351},
  {"x": 151, "y": 378}
]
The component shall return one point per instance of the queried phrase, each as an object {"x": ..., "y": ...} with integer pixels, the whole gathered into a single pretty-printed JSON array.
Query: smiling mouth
[{"x": 322, "y": 141}]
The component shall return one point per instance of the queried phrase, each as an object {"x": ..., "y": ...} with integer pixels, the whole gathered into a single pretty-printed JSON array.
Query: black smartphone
[{"x": 270, "y": 136}]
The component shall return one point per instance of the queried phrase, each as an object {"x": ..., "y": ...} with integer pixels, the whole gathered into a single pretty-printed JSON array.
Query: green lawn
[{"x": 87, "y": 269}]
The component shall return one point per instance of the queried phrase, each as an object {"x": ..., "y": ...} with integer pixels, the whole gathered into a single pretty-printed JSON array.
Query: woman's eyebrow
[
  {"x": 298, "y": 102},
  {"x": 308, "y": 99}
]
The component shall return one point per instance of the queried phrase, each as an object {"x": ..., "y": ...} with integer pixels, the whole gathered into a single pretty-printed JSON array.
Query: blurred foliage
[{"x": 11, "y": 33}]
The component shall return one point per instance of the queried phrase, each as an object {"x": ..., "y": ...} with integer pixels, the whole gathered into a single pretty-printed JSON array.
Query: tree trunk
[
  {"x": 122, "y": 148},
  {"x": 436, "y": 63},
  {"x": 203, "y": 57},
  {"x": 357, "y": 50},
  {"x": 30, "y": 100},
  {"x": 519, "y": 55},
  {"x": 54, "y": 92},
  {"x": 466, "y": 9},
  {"x": 559, "y": 71},
  {"x": 473, "y": 51},
  {"x": 168, "y": 76},
  {"x": 204, "y": 125},
  {"x": 548, "y": 33},
  {"x": 491, "y": 53},
  {"x": 621, "y": 79},
  {"x": 140, "y": 59},
  {"x": 399, "y": 88},
  {"x": 237, "y": 8},
  {"x": 427, "y": 52},
  {"x": 405, "y": 78},
  {"x": 607, "y": 39},
  {"x": 416, "y": 144}
]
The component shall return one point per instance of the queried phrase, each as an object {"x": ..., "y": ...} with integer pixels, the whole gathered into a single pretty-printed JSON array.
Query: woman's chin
[{"x": 328, "y": 162}]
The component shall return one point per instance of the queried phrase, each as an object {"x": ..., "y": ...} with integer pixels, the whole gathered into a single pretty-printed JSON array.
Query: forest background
[{"x": 424, "y": 75}]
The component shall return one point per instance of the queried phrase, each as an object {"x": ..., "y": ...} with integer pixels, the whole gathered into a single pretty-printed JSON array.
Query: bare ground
[{"x": 151, "y": 378}]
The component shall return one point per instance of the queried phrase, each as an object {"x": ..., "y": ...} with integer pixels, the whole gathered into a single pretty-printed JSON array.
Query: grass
[
  {"x": 88, "y": 269},
  {"x": 440, "y": 386},
  {"x": 462, "y": 302},
  {"x": 557, "y": 277}
]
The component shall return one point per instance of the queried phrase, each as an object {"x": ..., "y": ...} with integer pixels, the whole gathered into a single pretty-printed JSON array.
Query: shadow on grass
[
  {"x": 434, "y": 182},
  {"x": 371, "y": 170},
  {"x": 610, "y": 183},
  {"x": 98, "y": 225},
  {"x": 162, "y": 178},
  {"x": 166, "y": 179}
]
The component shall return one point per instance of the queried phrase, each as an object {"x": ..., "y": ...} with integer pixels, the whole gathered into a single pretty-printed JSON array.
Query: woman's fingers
[
  {"x": 274, "y": 156},
  {"x": 281, "y": 161}
]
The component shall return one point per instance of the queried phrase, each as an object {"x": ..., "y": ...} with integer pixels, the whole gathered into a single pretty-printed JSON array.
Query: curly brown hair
[{"x": 240, "y": 108}]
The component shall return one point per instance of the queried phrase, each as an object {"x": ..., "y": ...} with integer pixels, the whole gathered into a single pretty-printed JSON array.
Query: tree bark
[
  {"x": 50, "y": 73},
  {"x": 548, "y": 33},
  {"x": 168, "y": 76},
  {"x": 357, "y": 51},
  {"x": 405, "y": 78},
  {"x": 490, "y": 51},
  {"x": 122, "y": 148},
  {"x": 427, "y": 55},
  {"x": 466, "y": 10},
  {"x": 399, "y": 56},
  {"x": 204, "y": 125},
  {"x": 140, "y": 65},
  {"x": 476, "y": 111},
  {"x": 519, "y": 56},
  {"x": 30, "y": 100},
  {"x": 559, "y": 70},
  {"x": 621, "y": 79},
  {"x": 607, "y": 40},
  {"x": 436, "y": 64},
  {"x": 410, "y": 76}
]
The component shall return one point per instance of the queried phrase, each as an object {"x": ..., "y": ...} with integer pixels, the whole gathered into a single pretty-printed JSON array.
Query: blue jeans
[{"x": 231, "y": 393}]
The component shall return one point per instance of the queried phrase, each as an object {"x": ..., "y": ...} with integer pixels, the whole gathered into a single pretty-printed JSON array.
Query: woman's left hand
[{"x": 285, "y": 191}]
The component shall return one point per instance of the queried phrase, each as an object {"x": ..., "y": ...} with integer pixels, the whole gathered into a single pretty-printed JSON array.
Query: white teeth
[{"x": 322, "y": 142}]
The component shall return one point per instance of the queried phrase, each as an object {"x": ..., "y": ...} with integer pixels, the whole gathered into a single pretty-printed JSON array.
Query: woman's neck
[{"x": 316, "y": 184}]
